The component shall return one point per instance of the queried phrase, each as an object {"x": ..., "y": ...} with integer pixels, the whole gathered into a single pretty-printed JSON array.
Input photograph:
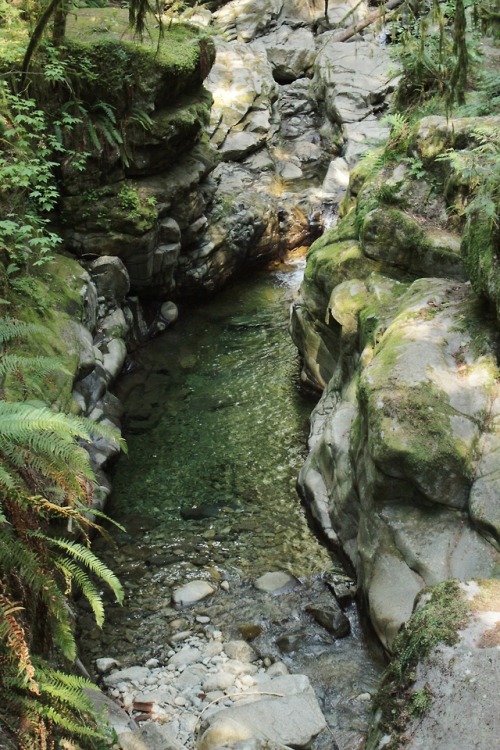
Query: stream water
[{"x": 216, "y": 428}]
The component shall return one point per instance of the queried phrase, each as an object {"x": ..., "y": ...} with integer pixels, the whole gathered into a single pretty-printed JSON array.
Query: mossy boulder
[
  {"x": 481, "y": 253},
  {"x": 399, "y": 466},
  {"x": 432, "y": 136},
  {"x": 55, "y": 300},
  {"x": 394, "y": 236}
]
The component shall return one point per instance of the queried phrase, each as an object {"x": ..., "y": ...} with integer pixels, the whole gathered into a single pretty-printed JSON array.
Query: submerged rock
[
  {"x": 192, "y": 592},
  {"x": 332, "y": 619},
  {"x": 275, "y": 582}
]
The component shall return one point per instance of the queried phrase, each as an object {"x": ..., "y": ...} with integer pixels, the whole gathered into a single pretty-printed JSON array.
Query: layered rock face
[
  {"x": 402, "y": 473},
  {"x": 287, "y": 109}
]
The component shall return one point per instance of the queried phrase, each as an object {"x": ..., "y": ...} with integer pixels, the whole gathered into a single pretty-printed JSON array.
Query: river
[{"x": 216, "y": 425}]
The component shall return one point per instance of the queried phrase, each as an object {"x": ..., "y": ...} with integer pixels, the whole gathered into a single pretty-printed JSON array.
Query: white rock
[
  {"x": 218, "y": 681},
  {"x": 192, "y": 592},
  {"x": 240, "y": 650},
  {"x": 105, "y": 664},
  {"x": 275, "y": 582},
  {"x": 126, "y": 675},
  {"x": 187, "y": 655}
]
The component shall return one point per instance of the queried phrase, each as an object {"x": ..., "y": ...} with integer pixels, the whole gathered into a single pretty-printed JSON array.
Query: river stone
[
  {"x": 169, "y": 312},
  {"x": 151, "y": 736},
  {"x": 126, "y": 675},
  {"x": 219, "y": 681},
  {"x": 275, "y": 582},
  {"x": 332, "y": 619},
  {"x": 288, "y": 715},
  {"x": 105, "y": 664},
  {"x": 192, "y": 592},
  {"x": 113, "y": 359},
  {"x": 240, "y": 650},
  {"x": 223, "y": 733},
  {"x": 291, "y": 642},
  {"x": 187, "y": 655},
  {"x": 86, "y": 354}
]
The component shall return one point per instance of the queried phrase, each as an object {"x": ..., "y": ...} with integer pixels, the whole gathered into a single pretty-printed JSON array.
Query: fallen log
[{"x": 386, "y": 10}]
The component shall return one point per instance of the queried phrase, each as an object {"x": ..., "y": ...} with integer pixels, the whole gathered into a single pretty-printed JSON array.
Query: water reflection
[{"x": 216, "y": 429}]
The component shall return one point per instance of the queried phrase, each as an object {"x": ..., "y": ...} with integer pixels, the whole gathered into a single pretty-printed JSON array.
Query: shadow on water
[{"x": 216, "y": 428}]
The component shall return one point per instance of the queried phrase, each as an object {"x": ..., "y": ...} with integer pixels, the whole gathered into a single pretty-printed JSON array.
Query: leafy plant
[{"x": 46, "y": 490}]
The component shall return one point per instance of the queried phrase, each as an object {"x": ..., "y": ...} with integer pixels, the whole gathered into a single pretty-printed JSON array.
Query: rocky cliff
[{"x": 402, "y": 470}]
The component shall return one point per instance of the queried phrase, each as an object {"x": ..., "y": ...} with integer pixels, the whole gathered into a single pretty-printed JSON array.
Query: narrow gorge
[{"x": 269, "y": 235}]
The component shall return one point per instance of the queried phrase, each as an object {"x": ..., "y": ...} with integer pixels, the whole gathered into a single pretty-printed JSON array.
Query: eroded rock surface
[{"x": 401, "y": 473}]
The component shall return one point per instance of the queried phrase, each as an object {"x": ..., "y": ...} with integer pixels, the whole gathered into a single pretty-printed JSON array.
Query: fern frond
[
  {"x": 71, "y": 570},
  {"x": 89, "y": 559},
  {"x": 14, "y": 637},
  {"x": 70, "y": 724},
  {"x": 11, "y": 328},
  {"x": 40, "y": 366}
]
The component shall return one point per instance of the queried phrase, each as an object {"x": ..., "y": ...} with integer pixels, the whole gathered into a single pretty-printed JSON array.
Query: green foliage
[
  {"x": 434, "y": 53},
  {"x": 46, "y": 482},
  {"x": 441, "y": 614},
  {"x": 27, "y": 189}
]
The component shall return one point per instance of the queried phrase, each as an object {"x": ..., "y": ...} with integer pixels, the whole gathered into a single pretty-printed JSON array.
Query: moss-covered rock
[
  {"x": 400, "y": 441},
  {"x": 445, "y": 657},
  {"x": 481, "y": 253},
  {"x": 391, "y": 235},
  {"x": 53, "y": 299}
]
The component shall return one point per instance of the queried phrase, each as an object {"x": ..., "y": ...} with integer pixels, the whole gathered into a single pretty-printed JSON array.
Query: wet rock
[
  {"x": 199, "y": 512},
  {"x": 344, "y": 591},
  {"x": 291, "y": 642},
  {"x": 249, "y": 630},
  {"x": 275, "y": 582},
  {"x": 192, "y": 592},
  {"x": 332, "y": 619}
]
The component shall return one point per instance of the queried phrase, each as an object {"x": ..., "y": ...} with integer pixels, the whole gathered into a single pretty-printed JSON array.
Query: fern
[{"x": 91, "y": 561}]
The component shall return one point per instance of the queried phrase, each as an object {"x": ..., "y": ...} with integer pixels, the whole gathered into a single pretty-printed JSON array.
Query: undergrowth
[{"x": 441, "y": 614}]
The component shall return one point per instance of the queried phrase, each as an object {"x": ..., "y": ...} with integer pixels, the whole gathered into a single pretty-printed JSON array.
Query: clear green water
[
  {"x": 216, "y": 418},
  {"x": 216, "y": 422}
]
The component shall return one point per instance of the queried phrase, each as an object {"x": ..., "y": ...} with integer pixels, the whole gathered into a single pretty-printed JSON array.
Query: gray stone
[
  {"x": 192, "y": 592},
  {"x": 110, "y": 278},
  {"x": 332, "y": 619},
  {"x": 126, "y": 675},
  {"x": 276, "y": 582},
  {"x": 187, "y": 655},
  {"x": 240, "y": 650},
  {"x": 84, "y": 342},
  {"x": 287, "y": 713},
  {"x": 105, "y": 664}
]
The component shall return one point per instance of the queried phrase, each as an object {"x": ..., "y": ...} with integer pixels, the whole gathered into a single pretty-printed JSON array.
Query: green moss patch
[
  {"x": 441, "y": 614},
  {"x": 50, "y": 299}
]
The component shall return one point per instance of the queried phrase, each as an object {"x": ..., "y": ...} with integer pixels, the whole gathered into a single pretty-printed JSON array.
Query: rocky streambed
[{"x": 227, "y": 588}]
